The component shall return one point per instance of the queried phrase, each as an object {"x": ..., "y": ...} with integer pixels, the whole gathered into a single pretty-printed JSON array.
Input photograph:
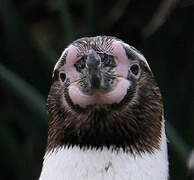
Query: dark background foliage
[{"x": 33, "y": 34}]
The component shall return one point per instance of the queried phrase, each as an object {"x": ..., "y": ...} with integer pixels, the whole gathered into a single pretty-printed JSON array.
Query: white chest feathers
[{"x": 78, "y": 164}]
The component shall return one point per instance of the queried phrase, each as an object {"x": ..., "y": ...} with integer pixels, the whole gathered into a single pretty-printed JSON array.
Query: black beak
[{"x": 93, "y": 64}]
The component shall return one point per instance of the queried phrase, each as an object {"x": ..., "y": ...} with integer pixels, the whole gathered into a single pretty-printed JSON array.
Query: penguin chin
[{"x": 115, "y": 96}]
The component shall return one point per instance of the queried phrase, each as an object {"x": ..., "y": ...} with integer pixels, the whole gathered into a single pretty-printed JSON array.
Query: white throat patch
[{"x": 77, "y": 164}]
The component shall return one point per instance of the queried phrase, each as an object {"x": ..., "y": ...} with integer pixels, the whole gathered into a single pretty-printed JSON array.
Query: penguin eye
[
  {"x": 80, "y": 64},
  {"x": 62, "y": 76},
  {"x": 135, "y": 69}
]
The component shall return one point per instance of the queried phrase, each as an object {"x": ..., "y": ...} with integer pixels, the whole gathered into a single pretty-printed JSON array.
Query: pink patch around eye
[
  {"x": 72, "y": 55},
  {"x": 71, "y": 59},
  {"x": 123, "y": 62}
]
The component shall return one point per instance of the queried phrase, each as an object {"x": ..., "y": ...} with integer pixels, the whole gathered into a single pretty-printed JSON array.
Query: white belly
[{"x": 78, "y": 164}]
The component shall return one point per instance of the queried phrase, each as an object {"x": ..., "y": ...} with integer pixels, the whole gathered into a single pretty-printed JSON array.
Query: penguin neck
[{"x": 75, "y": 163}]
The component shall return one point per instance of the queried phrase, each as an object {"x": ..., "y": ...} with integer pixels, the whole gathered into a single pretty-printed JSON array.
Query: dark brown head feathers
[{"x": 133, "y": 125}]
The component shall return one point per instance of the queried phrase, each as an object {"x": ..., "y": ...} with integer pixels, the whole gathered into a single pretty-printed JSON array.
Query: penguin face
[
  {"x": 99, "y": 71},
  {"x": 104, "y": 94}
]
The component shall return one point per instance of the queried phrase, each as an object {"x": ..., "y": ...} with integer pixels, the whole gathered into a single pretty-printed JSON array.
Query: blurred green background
[{"x": 33, "y": 33}]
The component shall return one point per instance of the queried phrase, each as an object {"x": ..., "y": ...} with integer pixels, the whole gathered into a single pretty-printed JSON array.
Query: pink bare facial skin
[{"x": 115, "y": 95}]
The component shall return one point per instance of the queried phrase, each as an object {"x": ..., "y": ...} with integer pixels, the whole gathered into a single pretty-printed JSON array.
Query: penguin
[{"x": 105, "y": 115}]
